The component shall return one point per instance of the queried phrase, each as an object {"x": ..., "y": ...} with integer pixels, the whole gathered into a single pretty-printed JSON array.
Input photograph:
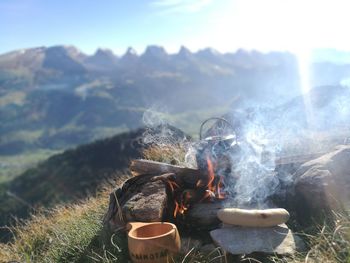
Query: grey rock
[
  {"x": 323, "y": 184},
  {"x": 204, "y": 214},
  {"x": 137, "y": 199},
  {"x": 246, "y": 240},
  {"x": 148, "y": 205}
]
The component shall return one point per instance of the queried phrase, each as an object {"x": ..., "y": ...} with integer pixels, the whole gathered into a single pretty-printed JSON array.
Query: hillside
[
  {"x": 75, "y": 233},
  {"x": 72, "y": 175}
]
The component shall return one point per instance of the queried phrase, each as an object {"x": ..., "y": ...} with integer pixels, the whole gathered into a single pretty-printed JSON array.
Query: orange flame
[
  {"x": 219, "y": 186},
  {"x": 214, "y": 189},
  {"x": 211, "y": 175},
  {"x": 182, "y": 206},
  {"x": 212, "y": 185},
  {"x": 176, "y": 209}
]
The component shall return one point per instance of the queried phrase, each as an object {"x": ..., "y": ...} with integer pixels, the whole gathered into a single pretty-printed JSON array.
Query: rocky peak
[
  {"x": 155, "y": 51},
  {"x": 63, "y": 58},
  {"x": 30, "y": 58},
  {"x": 74, "y": 53},
  {"x": 130, "y": 52},
  {"x": 210, "y": 55},
  {"x": 104, "y": 52},
  {"x": 129, "y": 58},
  {"x": 208, "y": 52},
  {"x": 103, "y": 58},
  {"x": 184, "y": 52}
]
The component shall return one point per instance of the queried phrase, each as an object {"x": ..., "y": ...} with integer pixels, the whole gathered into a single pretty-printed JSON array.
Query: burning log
[
  {"x": 187, "y": 186},
  {"x": 189, "y": 176},
  {"x": 160, "y": 191}
]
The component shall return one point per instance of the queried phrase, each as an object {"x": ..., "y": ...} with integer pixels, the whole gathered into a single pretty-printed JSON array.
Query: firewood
[
  {"x": 164, "y": 177},
  {"x": 204, "y": 214},
  {"x": 188, "y": 175}
]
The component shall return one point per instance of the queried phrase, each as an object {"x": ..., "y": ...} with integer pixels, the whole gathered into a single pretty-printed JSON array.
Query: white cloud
[{"x": 180, "y": 6}]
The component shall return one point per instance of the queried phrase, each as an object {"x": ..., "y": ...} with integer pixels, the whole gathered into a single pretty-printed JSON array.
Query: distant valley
[{"x": 53, "y": 98}]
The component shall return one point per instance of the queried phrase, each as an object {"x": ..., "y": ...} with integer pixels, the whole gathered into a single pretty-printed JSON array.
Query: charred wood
[{"x": 189, "y": 176}]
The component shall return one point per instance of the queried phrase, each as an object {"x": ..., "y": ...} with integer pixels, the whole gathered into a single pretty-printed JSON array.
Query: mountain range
[
  {"x": 57, "y": 96},
  {"x": 52, "y": 98}
]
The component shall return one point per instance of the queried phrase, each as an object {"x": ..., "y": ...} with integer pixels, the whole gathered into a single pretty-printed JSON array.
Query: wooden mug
[{"x": 152, "y": 242}]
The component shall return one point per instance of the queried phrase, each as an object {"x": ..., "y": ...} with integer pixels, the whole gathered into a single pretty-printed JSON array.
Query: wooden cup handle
[{"x": 133, "y": 225}]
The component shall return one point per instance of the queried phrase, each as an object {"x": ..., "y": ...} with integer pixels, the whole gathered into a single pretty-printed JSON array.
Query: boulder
[
  {"x": 323, "y": 184},
  {"x": 238, "y": 240},
  {"x": 148, "y": 205},
  {"x": 139, "y": 199}
]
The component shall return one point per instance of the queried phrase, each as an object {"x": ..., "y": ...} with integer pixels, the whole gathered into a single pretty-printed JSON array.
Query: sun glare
[{"x": 304, "y": 64}]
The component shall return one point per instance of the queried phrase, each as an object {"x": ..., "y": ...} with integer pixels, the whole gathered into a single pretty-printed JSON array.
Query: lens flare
[{"x": 304, "y": 65}]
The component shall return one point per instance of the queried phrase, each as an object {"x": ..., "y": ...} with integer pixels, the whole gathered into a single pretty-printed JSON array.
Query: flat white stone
[{"x": 246, "y": 240}]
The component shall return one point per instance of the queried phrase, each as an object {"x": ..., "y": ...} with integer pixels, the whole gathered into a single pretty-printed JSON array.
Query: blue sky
[{"x": 225, "y": 25}]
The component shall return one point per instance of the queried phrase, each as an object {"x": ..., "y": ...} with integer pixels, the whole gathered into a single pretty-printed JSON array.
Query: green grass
[
  {"x": 61, "y": 236},
  {"x": 27, "y": 136},
  {"x": 13, "y": 165},
  {"x": 15, "y": 97},
  {"x": 326, "y": 244},
  {"x": 75, "y": 233}
]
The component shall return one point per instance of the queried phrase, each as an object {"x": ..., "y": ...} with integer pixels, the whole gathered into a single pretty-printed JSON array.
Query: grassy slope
[
  {"x": 65, "y": 234},
  {"x": 67, "y": 176},
  {"x": 73, "y": 234}
]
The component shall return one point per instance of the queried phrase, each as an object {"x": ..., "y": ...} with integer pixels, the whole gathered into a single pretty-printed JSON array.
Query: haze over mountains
[{"x": 56, "y": 97}]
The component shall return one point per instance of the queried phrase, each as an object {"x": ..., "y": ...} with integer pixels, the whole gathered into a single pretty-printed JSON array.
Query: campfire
[
  {"x": 208, "y": 188},
  {"x": 191, "y": 198},
  {"x": 188, "y": 189}
]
